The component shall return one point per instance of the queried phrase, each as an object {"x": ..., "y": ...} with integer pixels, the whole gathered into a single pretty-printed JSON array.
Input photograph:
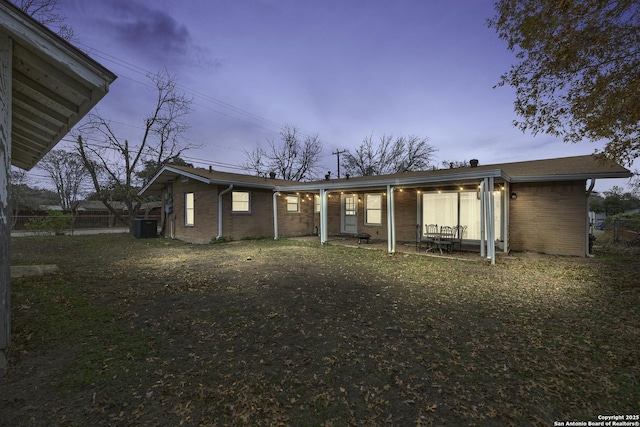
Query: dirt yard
[{"x": 157, "y": 332}]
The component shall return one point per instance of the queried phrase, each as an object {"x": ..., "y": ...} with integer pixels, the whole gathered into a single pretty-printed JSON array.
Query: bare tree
[
  {"x": 18, "y": 183},
  {"x": 294, "y": 159},
  {"x": 46, "y": 12},
  {"x": 452, "y": 164},
  {"x": 389, "y": 155},
  {"x": 115, "y": 164},
  {"x": 68, "y": 174}
]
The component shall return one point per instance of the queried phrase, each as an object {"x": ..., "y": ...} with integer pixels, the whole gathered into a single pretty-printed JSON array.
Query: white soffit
[{"x": 53, "y": 83}]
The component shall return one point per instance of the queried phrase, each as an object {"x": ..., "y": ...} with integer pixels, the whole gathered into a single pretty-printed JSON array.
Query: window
[
  {"x": 373, "y": 209},
  {"x": 240, "y": 201},
  {"x": 293, "y": 204},
  {"x": 316, "y": 203},
  {"x": 189, "y": 209}
]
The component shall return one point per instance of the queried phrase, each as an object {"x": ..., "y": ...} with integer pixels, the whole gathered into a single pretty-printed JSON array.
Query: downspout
[
  {"x": 275, "y": 215},
  {"x": 588, "y": 231},
  {"x": 220, "y": 210}
]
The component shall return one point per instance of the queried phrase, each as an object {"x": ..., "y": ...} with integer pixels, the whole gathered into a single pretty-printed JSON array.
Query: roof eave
[
  {"x": 398, "y": 181},
  {"x": 571, "y": 177}
]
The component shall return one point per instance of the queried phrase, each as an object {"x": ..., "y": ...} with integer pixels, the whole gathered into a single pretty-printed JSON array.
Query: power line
[{"x": 251, "y": 118}]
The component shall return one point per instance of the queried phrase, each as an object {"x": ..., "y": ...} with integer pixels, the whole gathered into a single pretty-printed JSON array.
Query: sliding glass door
[{"x": 459, "y": 208}]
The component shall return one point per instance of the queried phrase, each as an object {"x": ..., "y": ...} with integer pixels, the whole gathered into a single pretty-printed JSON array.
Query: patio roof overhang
[
  {"x": 412, "y": 181},
  {"x": 53, "y": 84}
]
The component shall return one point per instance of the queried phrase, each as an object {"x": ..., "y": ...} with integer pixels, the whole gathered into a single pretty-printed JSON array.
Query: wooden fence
[{"x": 83, "y": 219}]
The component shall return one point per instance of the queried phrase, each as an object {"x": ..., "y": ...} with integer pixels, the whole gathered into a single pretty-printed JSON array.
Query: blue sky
[{"x": 342, "y": 69}]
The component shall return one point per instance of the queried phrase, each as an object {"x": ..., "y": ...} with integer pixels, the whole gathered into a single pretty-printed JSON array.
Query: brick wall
[
  {"x": 302, "y": 223},
  {"x": 548, "y": 218},
  {"x": 545, "y": 217},
  {"x": 254, "y": 224},
  {"x": 257, "y": 223},
  {"x": 406, "y": 216},
  {"x": 205, "y": 224}
]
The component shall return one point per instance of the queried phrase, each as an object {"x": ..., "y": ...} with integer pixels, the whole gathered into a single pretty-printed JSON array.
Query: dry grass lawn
[{"x": 158, "y": 332}]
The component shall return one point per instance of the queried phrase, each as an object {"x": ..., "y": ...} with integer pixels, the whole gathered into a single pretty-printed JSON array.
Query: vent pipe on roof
[
  {"x": 473, "y": 163},
  {"x": 210, "y": 169},
  {"x": 272, "y": 175}
]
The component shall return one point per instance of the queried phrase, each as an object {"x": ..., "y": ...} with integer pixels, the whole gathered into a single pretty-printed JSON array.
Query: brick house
[{"x": 538, "y": 205}]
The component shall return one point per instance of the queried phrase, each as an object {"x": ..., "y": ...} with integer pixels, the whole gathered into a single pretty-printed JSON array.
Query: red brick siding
[
  {"x": 406, "y": 204},
  {"x": 256, "y": 223},
  {"x": 406, "y": 216},
  {"x": 302, "y": 223},
  {"x": 206, "y": 212},
  {"x": 548, "y": 218}
]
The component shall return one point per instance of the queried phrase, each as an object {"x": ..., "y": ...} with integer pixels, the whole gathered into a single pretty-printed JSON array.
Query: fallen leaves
[{"x": 332, "y": 336}]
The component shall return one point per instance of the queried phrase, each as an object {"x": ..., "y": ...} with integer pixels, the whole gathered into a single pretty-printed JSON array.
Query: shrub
[{"x": 55, "y": 222}]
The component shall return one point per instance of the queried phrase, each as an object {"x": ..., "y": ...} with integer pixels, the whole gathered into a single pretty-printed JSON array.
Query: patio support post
[
  {"x": 482, "y": 211},
  {"x": 588, "y": 231},
  {"x": 506, "y": 200},
  {"x": 324, "y": 210},
  {"x": 5, "y": 210},
  {"x": 391, "y": 220},
  {"x": 492, "y": 223},
  {"x": 275, "y": 215}
]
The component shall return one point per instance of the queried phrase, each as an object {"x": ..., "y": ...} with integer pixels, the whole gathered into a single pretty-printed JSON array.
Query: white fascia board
[
  {"x": 569, "y": 177},
  {"x": 27, "y": 32},
  {"x": 170, "y": 173},
  {"x": 178, "y": 172},
  {"x": 240, "y": 183},
  {"x": 396, "y": 182}
]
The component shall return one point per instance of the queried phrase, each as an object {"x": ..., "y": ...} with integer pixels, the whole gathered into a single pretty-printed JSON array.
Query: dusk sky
[{"x": 341, "y": 69}]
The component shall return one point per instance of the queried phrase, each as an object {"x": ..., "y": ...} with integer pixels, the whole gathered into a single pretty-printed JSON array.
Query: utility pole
[{"x": 337, "y": 153}]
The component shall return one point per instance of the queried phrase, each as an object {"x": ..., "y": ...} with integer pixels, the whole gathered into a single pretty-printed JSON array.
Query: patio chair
[
  {"x": 431, "y": 235},
  {"x": 428, "y": 239},
  {"x": 459, "y": 232},
  {"x": 445, "y": 238}
]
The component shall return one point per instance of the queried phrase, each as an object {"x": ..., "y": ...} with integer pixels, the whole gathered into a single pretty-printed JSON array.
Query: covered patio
[{"x": 476, "y": 199}]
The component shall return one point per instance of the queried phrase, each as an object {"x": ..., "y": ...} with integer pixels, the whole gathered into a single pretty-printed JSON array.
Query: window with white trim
[
  {"x": 373, "y": 209},
  {"x": 316, "y": 203},
  {"x": 189, "y": 209},
  {"x": 293, "y": 204},
  {"x": 240, "y": 201}
]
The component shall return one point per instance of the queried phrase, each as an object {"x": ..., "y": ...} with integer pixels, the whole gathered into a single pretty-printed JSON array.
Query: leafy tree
[
  {"x": 617, "y": 201},
  {"x": 579, "y": 70},
  {"x": 596, "y": 203},
  {"x": 68, "y": 174},
  {"x": 389, "y": 155},
  {"x": 115, "y": 165},
  {"x": 294, "y": 158},
  {"x": 152, "y": 167},
  {"x": 46, "y": 12},
  {"x": 634, "y": 183}
]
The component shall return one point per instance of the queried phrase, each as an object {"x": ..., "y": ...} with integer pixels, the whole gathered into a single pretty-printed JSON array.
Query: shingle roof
[{"x": 557, "y": 169}]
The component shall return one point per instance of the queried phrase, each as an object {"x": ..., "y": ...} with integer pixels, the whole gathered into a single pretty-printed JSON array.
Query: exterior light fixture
[{"x": 514, "y": 196}]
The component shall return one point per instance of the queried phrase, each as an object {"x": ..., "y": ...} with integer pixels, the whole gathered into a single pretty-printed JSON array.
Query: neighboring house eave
[{"x": 54, "y": 85}]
